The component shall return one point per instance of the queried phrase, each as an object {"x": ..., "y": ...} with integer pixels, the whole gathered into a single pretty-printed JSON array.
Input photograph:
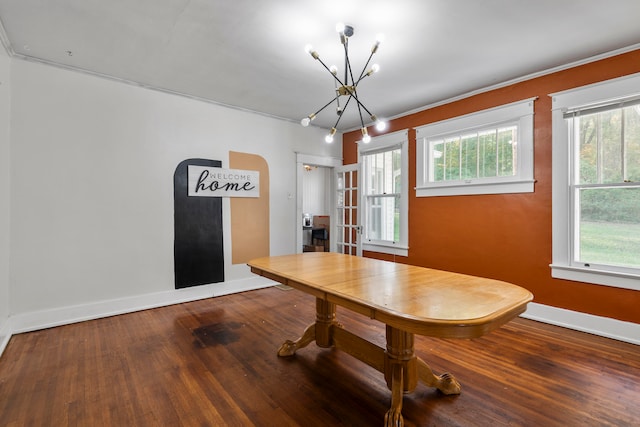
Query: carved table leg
[
  {"x": 400, "y": 372},
  {"x": 325, "y": 317},
  {"x": 320, "y": 331},
  {"x": 393, "y": 417},
  {"x": 289, "y": 347},
  {"x": 446, "y": 383}
]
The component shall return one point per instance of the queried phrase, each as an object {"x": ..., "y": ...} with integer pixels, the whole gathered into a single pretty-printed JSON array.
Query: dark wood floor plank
[{"x": 214, "y": 363}]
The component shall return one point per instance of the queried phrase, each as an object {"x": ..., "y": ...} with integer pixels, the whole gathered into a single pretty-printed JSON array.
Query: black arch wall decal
[{"x": 198, "y": 246}]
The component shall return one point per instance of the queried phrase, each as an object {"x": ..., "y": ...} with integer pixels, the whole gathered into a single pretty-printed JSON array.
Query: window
[
  {"x": 385, "y": 205},
  {"x": 596, "y": 205},
  {"x": 481, "y": 153}
]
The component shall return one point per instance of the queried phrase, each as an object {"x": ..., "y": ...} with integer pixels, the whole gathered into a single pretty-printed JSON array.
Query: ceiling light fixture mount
[{"x": 348, "y": 85}]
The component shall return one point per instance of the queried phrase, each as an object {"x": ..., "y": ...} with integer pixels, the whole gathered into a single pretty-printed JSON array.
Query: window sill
[
  {"x": 598, "y": 277},
  {"x": 391, "y": 249},
  {"x": 461, "y": 188}
]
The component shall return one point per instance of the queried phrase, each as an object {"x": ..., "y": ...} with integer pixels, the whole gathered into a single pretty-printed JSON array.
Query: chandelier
[{"x": 347, "y": 86}]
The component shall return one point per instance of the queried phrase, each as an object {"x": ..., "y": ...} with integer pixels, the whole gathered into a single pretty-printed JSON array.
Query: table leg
[
  {"x": 325, "y": 317},
  {"x": 289, "y": 347},
  {"x": 446, "y": 382},
  {"x": 402, "y": 369},
  {"x": 320, "y": 331},
  {"x": 400, "y": 372},
  {"x": 393, "y": 417}
]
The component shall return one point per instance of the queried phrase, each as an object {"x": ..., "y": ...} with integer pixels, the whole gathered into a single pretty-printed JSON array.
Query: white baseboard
[
  {"x": 32, "y": 321},
  {"x": 5, "y": 334},
  {"x": 596, "y": 325},
  {"x": 25, "y": 322}
]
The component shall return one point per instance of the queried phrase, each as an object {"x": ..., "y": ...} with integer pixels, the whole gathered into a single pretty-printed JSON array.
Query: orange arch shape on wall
[{"x": 250, "y": 216}]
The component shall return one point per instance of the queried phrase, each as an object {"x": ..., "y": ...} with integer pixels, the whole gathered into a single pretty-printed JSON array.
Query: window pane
[
  {"x": 452, "y": 159},
  {"x": 588, "y": 148},
  {"x": 396, "y": 174},
  {"x": 632, "y": 141},
  {"x": 608, "y": 231},
  {"x": 383, "y": 215},
  {"x": 469, "y": 156},
  {"x": 438, "y": 160},
  {"x": 507, "y": 143},
  {"x": 384, "y": 172},
  {"x": 609, "y": 146},
  {"x": 486, "y": 154},
  {"x": 384, "y": 186}
]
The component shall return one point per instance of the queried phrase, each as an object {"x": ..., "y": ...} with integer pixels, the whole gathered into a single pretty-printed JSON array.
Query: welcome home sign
[{"x": 207, "y": 181}]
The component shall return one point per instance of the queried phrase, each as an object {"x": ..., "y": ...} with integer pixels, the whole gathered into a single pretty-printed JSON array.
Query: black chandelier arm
[
  {"x": 355, "y": 96},
  {"x": 329, "y": 70},
  {"x": 326, "y": 105},
  {"x": 347, "y": 67},
  {"x": 364, "y": 74},
  {"x": 354, "y": 82},
  {"x": 361, "y": 78},
  {"x": 360, "y": 104},
  {"x": 340, "y": 116}
]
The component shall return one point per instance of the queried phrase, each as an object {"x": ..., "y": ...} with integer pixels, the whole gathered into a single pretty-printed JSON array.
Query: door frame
[
  {"x": 312, "y": 160},
  {"x": 350, "y": 202}
]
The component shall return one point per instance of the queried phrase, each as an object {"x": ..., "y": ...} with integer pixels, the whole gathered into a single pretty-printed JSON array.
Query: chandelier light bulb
[
  {"x": 305, "y": 122},
  {"x": 309, "y": 49},
  {"x": 380, "y": 38},
  {"x": 329, "y": 138},
  {"x": 381, "y": 125},
  {"x": 333, "y": 69},
  {"x": 374, "y": 69},
  {"x": 365, "y": 136},
  {"x": 340, "y": 27}
]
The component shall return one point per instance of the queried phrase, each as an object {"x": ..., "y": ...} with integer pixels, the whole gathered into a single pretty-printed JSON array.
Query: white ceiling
[{"x": 249, "y": 54}]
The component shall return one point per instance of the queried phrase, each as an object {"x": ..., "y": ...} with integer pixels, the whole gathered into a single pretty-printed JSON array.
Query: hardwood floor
[{"x": 214, "y": 363}]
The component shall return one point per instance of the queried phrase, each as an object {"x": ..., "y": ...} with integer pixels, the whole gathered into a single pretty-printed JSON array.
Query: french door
[{"x": 347, "y": 224}]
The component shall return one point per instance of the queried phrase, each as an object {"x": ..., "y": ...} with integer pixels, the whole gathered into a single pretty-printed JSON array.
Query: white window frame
[
  {"x": 377, "y": 144},
  {"x": 563, "y": 266},
  {"x": 520, "y": 113}
]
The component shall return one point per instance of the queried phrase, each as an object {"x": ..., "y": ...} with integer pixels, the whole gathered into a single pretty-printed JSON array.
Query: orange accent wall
[{"x": 506, "y": 237}]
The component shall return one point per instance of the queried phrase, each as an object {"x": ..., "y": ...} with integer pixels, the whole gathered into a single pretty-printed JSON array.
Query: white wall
[
  {"x": 317, "y": 191},
  {"x": 92, "y": 182},
  {"x": 4, "y": 192}
]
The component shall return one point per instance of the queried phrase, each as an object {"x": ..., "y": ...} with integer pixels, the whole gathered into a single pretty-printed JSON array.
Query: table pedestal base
[{"x": 402, "y": 369}]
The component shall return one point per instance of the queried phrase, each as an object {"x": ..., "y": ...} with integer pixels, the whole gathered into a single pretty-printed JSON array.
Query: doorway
[
  {"x": 315, "y": 202},
  {"x": 316, "y": 208}
]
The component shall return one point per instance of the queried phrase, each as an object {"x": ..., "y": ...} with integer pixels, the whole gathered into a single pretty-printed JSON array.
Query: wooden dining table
[{"x": 408, "y": 299}]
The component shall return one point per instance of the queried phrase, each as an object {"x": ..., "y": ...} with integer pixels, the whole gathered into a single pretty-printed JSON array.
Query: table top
[{"x": 415, "y": 299}]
